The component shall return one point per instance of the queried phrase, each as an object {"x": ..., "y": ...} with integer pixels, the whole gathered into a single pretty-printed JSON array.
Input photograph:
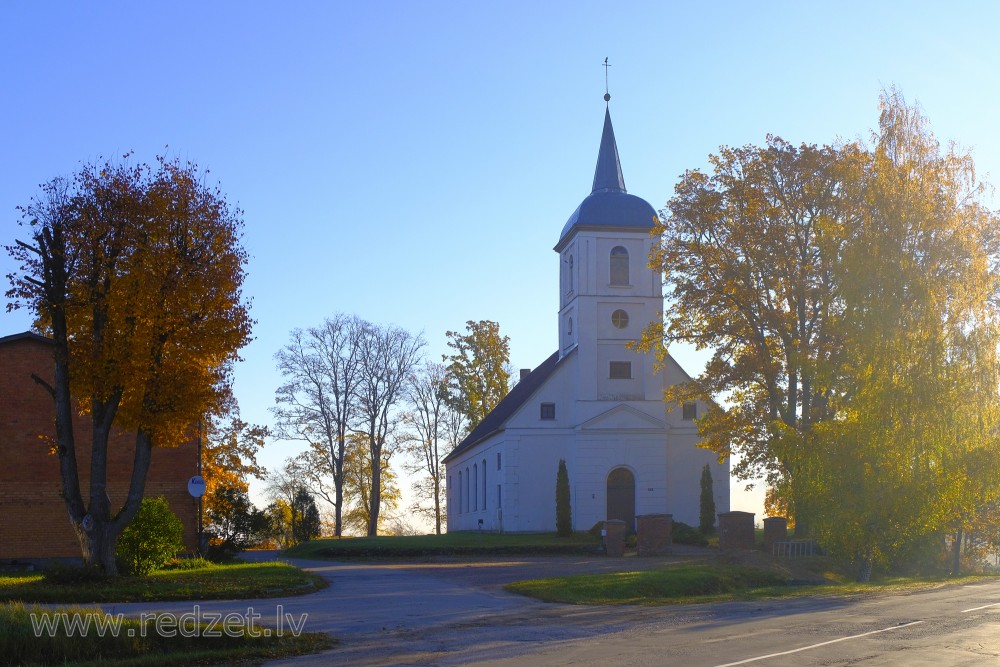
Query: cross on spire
[{"x": 607, "y": 95}]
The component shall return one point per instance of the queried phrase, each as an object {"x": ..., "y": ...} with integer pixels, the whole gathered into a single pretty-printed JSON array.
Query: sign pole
[{"x": 196, "y": 487}]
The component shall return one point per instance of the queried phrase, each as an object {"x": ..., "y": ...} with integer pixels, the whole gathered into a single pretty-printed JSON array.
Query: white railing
[{"x": 793, "y": 549}]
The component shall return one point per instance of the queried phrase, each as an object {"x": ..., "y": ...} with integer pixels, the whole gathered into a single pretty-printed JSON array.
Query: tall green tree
[
  {"x": 305, "y": 517},
  {"x": 135, "y": 271},
  {"x": 479, "y": 369},
  {"x": 913, "y": 449}
]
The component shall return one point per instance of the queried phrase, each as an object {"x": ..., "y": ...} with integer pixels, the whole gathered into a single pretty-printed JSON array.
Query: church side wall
[{"x": 472, "y": 483}]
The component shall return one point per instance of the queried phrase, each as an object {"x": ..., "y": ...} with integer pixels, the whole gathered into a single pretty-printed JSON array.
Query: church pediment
[{"x": 622, "y": 417}]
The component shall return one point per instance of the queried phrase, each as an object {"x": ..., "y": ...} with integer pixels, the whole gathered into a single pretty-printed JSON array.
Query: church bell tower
[{"x": 607, "y": 293}]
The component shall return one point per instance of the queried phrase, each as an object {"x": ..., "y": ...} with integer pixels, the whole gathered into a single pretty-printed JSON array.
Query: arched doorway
[{"x": 621, "y": 497}]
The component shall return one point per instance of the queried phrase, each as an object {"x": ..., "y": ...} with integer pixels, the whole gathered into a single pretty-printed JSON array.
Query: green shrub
[
  {"x": 188, "y": 564},
  {"x": 235, "y": 524},
  {"x": 305, "y": 517},
  {"x": 685, "y": 534},
  {"x": 152, "y": 539}
]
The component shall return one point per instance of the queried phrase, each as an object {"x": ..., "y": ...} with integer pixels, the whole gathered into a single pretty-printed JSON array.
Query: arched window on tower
[
  {"x": 619, "y": 267},
  {"x": 570, "y": 273}
]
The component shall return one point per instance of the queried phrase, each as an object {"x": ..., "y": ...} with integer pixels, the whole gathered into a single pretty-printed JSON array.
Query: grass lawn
[
  {"x": 702, "y": 582},
  {"x": 207, "y": 581},
  {"x": 449, "y": 544},
  {"x": 21, "y": 644}
]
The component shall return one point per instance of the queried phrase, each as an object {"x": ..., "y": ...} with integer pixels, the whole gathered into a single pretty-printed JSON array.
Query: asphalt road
[{"x": 456, "y": 613}]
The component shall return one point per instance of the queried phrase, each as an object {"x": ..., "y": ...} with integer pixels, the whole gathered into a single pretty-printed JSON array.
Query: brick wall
[
  {"x": 34, "y": 523},
  {"x": 736, "y": 530}
]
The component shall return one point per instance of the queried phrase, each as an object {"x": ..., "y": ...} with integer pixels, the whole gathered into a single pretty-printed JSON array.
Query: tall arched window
[
  {"x": 571, "y": 273},
  {"x": 466, "y": 490},
  {"x": 619, "y": 266},
  {"x": 484, "y": 483},
  {"x": 459, "y": 494},
  {"x": 475, "y": 487}
]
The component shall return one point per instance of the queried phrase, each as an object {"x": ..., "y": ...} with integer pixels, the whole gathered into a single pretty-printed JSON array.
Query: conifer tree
[
  {"x": 706, "y": 520},
  {"x": 564, "y": 514}
]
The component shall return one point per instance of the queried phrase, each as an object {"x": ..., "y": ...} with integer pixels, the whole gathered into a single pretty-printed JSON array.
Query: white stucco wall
[{"x": 601, "y": 423}]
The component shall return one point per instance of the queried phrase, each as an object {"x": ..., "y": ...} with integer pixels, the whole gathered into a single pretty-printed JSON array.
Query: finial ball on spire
[{"x": 607, "y": 97}]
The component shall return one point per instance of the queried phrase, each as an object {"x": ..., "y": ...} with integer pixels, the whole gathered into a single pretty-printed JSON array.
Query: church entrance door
[{"x": 621, "y": 497}]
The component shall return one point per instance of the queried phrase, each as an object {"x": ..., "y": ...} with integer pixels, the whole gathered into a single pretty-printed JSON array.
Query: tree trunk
[
  {"x": 338, "y": 483},
  {"x": 98, "y": 545},
  {"x": 956, "y": 553},
  {"x": 376, "y": 496},
  {"x": 437, "y": 505},
  {"x": 800, "y": 513},
  {"x": 338, "y": 521},
  {"x": 865, "y": 569}
]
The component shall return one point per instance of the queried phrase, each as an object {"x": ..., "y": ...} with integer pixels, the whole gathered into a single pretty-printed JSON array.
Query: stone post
[
  {"x": 736, "y": 530},
  {"x": 775, "y": 530},
  {"x": 614, "y": 537},
  {"x": 653, "y": 537}
]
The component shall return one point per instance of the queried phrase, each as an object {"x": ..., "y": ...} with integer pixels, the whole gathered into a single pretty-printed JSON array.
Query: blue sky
[{"x": 414, "y": 162}]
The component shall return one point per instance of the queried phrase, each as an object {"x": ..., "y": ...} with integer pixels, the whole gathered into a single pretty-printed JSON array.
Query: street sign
[{"x": 196, "y": 486}]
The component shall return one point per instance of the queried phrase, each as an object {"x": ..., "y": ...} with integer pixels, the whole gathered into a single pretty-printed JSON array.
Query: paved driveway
[
  {"x": 429, "y": 611},
  {"x": 455, "y": 612},
  {"x": 452, "y": 610}
]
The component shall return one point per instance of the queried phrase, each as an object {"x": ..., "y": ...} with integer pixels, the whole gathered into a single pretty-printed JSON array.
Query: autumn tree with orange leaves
[
  {"x": 135, "y": 272},
  {"x": 850, "y": 296},
  {"x": 748, "y": 254}
]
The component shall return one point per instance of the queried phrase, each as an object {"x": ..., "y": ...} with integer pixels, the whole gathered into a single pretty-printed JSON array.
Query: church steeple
[
  {"x": 608, "y": 175},
  {"x": 608, "y": 206}
]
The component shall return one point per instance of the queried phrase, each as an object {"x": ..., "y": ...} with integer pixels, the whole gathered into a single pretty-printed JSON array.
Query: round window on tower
[{"x": 619, "y": 318}]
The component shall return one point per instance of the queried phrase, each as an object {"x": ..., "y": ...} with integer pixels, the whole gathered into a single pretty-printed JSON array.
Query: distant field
[{"x": 458, "y": 544}]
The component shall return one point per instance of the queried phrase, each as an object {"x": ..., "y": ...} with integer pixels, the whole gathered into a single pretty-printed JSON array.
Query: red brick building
[{"x": 34, "y": 524}]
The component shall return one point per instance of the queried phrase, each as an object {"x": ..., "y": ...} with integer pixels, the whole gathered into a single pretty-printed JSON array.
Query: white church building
[{"x": 594, "y": 403}]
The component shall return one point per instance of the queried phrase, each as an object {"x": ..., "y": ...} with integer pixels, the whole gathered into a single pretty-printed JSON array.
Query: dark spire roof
[
  {"x": 608, "y": 175},
  {"x": 609, "y": 205}
]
